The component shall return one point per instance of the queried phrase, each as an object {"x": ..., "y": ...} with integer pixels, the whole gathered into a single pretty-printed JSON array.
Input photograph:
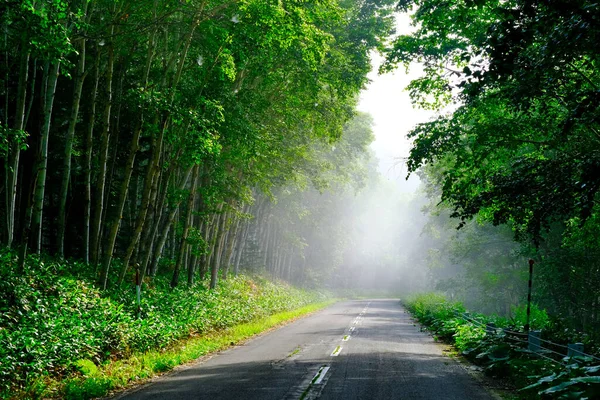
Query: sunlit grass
[{"x": 116, "y": 375}]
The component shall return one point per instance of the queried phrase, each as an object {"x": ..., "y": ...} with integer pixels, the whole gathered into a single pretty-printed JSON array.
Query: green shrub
[
  {"x": 53, "y": 324},
  {"x": 468, "y": 336},
  {"x": 538, "y": 319},
  {"x": 578, "y": 380},
  {"x": 503, "y": 357}
]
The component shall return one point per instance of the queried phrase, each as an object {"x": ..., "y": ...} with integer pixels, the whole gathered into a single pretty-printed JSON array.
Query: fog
[
  {"x": 355, "y": 231},
  {"x": 360, "y": 227}
]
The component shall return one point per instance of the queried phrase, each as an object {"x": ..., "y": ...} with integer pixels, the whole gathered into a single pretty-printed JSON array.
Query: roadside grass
[
  {"x": 60, "y": 336},
  {"x": 120, "y": 374}
]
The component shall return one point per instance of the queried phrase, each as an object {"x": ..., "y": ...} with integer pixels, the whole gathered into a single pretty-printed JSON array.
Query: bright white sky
[{"x": 394, "y": 116}]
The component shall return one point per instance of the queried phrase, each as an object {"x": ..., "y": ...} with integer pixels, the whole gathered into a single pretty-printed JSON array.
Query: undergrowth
[
  {"x": 55, "y": 324},
  {"x": 504, "y": 354}
]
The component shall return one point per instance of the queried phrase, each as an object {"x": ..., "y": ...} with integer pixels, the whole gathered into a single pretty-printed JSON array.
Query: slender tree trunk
[
  {"x": 129, "y": 167},
  {"x": 89, "y": 142},
  {"x": 132, "y": 196},
  {"x": 114, "y": 229},
  {"x": 77, "y": 90},
  {"x": 271, "y": 252},
  {"x": 156, "y": 217},
  {"x": 232, "y": 238},
  {"x": 223, "y": 251},
  {"x": 241, "y": 246},
  {"x": 266, "y": 244},
  {"x": 195, "y": 258},
  {"x": 150, "y": 181},
  {"x": 204, "y": 256},
  {"x": 289, "y": 266},
  {"x": 186, "y": 228},
  {"x": 103, "y": 159},
  {"x": 214, "y": 264},
  {"x": 12, "y": 164},
  {"x": 195, "y": 221},
  {"x": 210, "y": 240},
  {"x": 158, "y": 250},
  {"x": 38, "y": 205}
]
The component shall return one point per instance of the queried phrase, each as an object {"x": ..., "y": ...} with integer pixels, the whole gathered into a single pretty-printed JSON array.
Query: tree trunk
[
  {"x": 289, "y": 266},
  {"x": 12, "y": 163},
  {"x": 155, "y": 219},
  {"x": 150, "y": 181},
  {"x": 241, "y": 247},
  {"x": 204, "y": 257},
  {"x": 129, "y": 166},
  {"x": 232, "y": 238},
  {"x": 186, "y": 228},
  {"x": 103, "y": 159},
  {"x": 38, "y": 203},
  {"x": 195, "y": 221},
  {"x": 210, "y": 239},
  {"x": 214, "y": 264},
  {"x": 77, "y": 90},
  {"x": 89, "y": 140},
  {"x": 158, "y": 250}
]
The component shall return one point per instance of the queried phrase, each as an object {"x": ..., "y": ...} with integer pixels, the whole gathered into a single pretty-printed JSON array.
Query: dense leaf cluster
[{"x": 522, "y": 145}]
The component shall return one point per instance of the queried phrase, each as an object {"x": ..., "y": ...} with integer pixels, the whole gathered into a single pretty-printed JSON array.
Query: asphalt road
[{"x": 367, "y": 349}]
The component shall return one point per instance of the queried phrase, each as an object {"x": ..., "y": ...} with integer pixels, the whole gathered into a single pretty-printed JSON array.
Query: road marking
[
  {"x": 337, "y": 351},
  {"x": 352, "y": 328},
  {"x": 320, "y": 375},
  {"x": 312, "y": 388},
  {"x": 346, "y": 338}
]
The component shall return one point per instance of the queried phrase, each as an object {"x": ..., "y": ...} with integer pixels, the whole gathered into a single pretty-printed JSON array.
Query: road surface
[{"x": 367, "y": 349}]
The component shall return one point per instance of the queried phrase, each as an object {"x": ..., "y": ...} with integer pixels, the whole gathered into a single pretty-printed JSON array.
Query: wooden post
[
  {"x": 574, "y": 349},
  {"x": 534, "y": 342},
  {"x": 138, "y": 291},
  {"x": 531, "y": 262}
]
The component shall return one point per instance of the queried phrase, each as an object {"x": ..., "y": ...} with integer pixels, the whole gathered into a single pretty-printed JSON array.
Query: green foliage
[
  {"x": 521, "y": 71},
  {"x": 87, "y": 389},
  {"x": 539, "y": 318},
  {"x": 578, "y": 380},
  {"x": 518, "y": 148},
  {"x": 468, "y": 335},
  {"x": 502, "y": 356},
  {"x": 53, "y": 324},
  {"x": 9, "y": 136},
  {"x": 86, "y": 367}
]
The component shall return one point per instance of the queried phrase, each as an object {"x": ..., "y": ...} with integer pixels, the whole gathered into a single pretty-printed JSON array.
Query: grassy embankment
[
  {"x": 504, "y": 355},
  {"x": 61, "y": 337}
]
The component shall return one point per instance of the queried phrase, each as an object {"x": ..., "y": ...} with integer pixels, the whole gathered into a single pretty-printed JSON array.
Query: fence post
[
  {"x": 534, "y": 343},
  {"x": 531, "y": 262},
  {"x": 574, "y": 349},
  {"x": 138, "y": 291},
  {"x": 490, "y": 329}
]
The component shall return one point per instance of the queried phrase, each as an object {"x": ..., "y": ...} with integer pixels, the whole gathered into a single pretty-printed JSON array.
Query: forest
[
  {"x": 150, "y": 132},
  {"x": 204, "y": 149}
]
